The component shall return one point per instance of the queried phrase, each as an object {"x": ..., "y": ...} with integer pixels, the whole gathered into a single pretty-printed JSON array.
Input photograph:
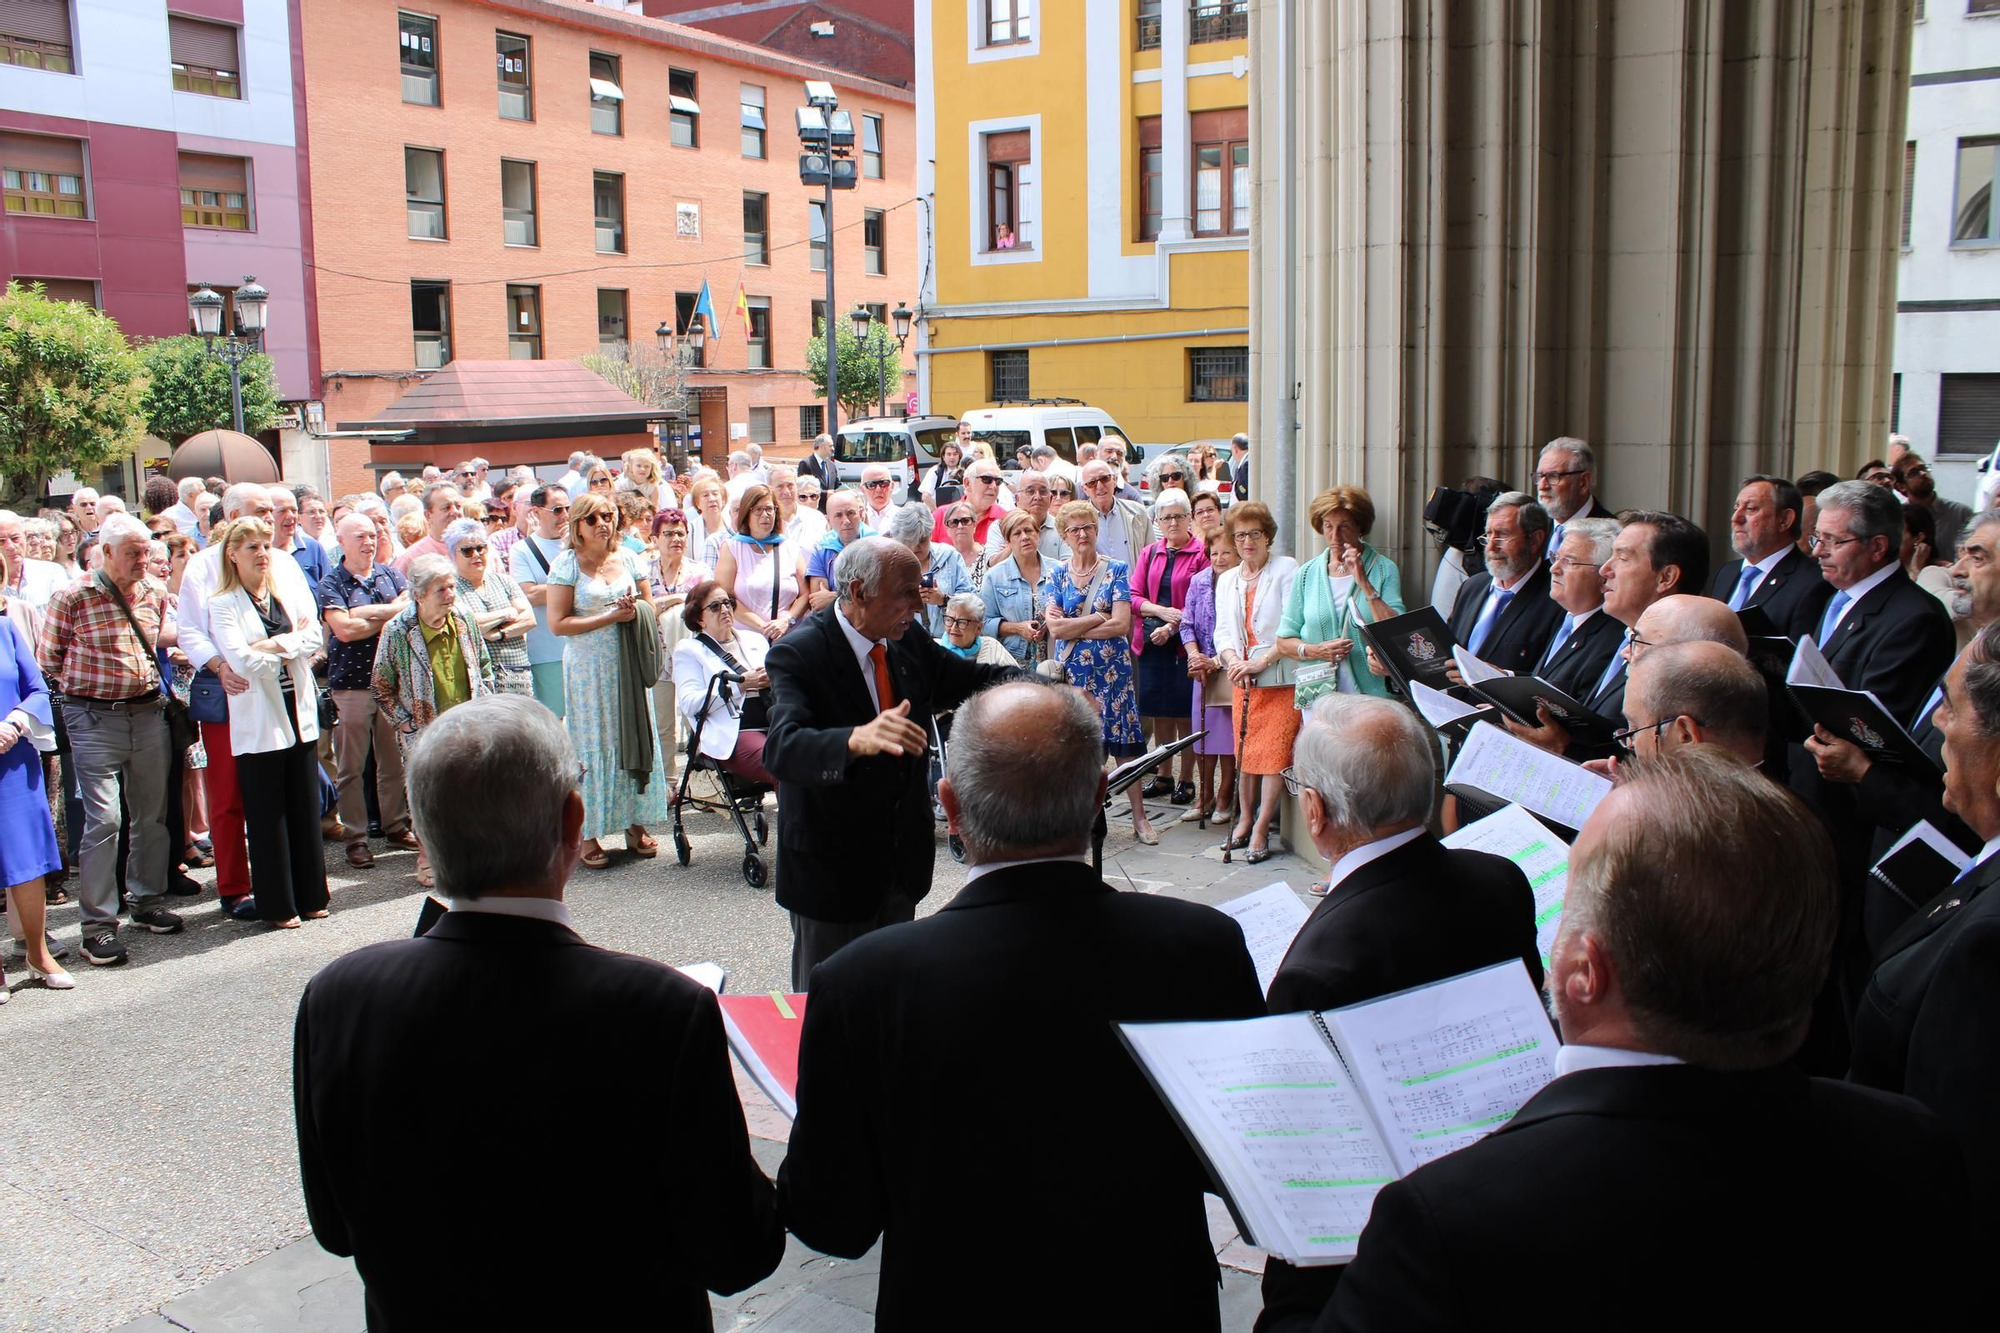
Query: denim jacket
[{"x": 1009, "y": 596}]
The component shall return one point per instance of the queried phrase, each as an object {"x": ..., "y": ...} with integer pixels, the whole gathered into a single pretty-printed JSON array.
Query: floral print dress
[{"x": 1103, "y": 667}]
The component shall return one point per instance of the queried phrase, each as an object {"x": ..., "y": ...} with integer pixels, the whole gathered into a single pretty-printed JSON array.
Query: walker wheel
[
  {"x": 754, "y": 873},
  {"x": 683, "y": 849}
]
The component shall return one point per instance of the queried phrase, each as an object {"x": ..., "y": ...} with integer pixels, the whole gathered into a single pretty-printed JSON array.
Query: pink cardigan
[{"x": 1189, "y": 561}]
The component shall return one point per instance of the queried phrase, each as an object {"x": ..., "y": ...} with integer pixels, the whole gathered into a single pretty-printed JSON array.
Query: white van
[{"x": 1060, "y": 423}]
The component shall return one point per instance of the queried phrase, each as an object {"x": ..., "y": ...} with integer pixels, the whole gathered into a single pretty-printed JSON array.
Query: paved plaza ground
[{"x": 148, "y": 1171}]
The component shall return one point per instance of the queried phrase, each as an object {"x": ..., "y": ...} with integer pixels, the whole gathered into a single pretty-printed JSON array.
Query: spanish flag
[{"x": 743, "y": 306}]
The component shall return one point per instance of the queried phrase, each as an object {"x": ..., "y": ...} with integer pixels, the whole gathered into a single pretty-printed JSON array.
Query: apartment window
[
  {"x": 430, "y": 320},
  {"x": 607, "y": 95},
  {"x": 1895, "y": 403},
  {"x": 204, "y": 57},
  {"x": 1007, "y": 375},
  {"x": 756, "y": 228},
  {"x": 1221, "y": 172},
  {"x": 812, "y": 420},
  {"x": 43, "y": 176},
  {"x": 1981, "y": 7},
  {"x": 1909, "y": 187},
  {"x": 215, "y": 192},
  {"x": 871, "y": 239},
  {"x": 684, "y": 129},
  {"x": 1152, "y": 181},
  {"x": 759, "y": 337},
  {"x": 1009, "y": 21},
  {"x": 607, "y": 189},
  {"x": 1218, "y": 374},
  {"x": 684, "y": 303},
  {"x": 871, "y": 147},
  {"x": 752, "y": 99},
  {"x": 511, "y": 63},
  {"x": 816, "y": 322},
  {"x": 418, "y": 35},
  {"x": 517, "y": 203},
  {"x": 1006, "y": 164},
  {"x": 612, "y": 304},
  {"x": 34, "y": 34},
  {"x": 818, "y": 216},
  {"x": 524, "y": 323},
  {"x": 81, "y": 290},
  {"x": 1149, "y": 25},
  {"x": 1227, "y": 21},
  {"x": 423, "y": 191},
  {"x": 763, "y": 425},
  {"x": 1972, "y": 219},
  {"x": 1968, "y": 413}
]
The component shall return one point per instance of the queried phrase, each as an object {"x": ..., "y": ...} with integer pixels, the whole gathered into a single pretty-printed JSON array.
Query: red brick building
[{"x": 571, "y": 174}]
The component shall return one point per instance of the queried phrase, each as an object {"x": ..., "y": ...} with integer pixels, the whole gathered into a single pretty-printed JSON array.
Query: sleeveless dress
[{"x": 612, "y": 801}]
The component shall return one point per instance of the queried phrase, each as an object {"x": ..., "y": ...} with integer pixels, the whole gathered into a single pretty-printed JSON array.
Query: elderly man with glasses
[
  {"x": 1036, "y": 492},
  {"x": 878, "y": 497},
  {"x": 982, "y": 492},
  {"x": 1123, "y": 526},
  {"x": 1566, "y": 485}
]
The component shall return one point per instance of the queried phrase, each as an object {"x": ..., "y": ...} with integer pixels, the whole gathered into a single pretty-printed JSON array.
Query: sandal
[
  {"x": 195, "y": 859},
  {"x": 645, "y": 846},
  {"x": 1155, "y": 787},
  {"x": 316, "y": 916},
  {"x": 1183, "y": 794},
  {"x": 597, "y": 860},
  {"x": 289, "y": 924}
]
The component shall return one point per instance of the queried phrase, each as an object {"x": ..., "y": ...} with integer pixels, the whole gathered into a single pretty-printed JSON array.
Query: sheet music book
[
  {"x": 1520, "y": 696},
  {"x": 764, "y": 1035},
  {"x": 1757, "y": 623},
  {"x": 1858, "y": 716},
  {"x": 1440, "y": 709},
  {"x": 1474, "y": 671},
  {"x": 1415, "y": 646},
  {"x": 1542, "y": 856},
  {"x": 1270, "y": 918},
  {"x": 1303, "y": 1118},
  {"x": 1921, "y": 863},
  {"x": 1495, "y": 767},
  {"x": 1809, "y": 667},
  {"x": 709, "y": 975}
]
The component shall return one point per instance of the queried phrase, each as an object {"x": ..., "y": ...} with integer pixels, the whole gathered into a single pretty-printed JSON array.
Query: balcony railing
[
  {"x": 1226, "y": 21},
  {"x": 1149, "y": 32}
]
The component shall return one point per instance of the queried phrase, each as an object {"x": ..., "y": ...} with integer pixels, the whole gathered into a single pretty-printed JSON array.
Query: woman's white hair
[
  {"x": 967, "y": 604},
  {"x": 1173, "y": 501},
  {"x": 460, "y": 530},
  {"x": 911, "y": 525},
  {"x": 425, "y": 572}
]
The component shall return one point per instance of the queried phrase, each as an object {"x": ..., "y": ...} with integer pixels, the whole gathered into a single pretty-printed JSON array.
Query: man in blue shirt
[
  {"x": 843, "y": 525},
  {"x": 357, "y": 598}
]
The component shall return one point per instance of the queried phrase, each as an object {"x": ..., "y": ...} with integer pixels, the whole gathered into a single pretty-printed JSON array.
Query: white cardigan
[
  {"x": 695, "y": 664},
  {"x": 1274, "y": 587},
  {"x": 257, "y": 716}
]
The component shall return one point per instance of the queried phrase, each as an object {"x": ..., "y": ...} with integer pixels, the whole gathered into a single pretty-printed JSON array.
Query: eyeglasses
[
  {"x": 959, "y": 522},
  {"x": 1553, "y": 477},
  {"x": 558, "y": 509},
  {"x": 1079, "y": 532},
  {"x": 960, "y": 622},
  {"x": 1822, "y": 542},
  {"x": 496, "y": 518},
  {"x": 1292, "y": 783},
  {"x": 1096, "y": 482},
  {"x": 720, "y": 604},
  {"x": 1623, "y": 739},
  {"x": 876, "y": 485},
  {"x": 765, "y": 510},
  {"x": 1250, "y": 536},
  {"x": 1062, "y": 493}
]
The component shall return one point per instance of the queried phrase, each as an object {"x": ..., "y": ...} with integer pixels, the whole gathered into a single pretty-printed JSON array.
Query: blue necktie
[
  {"x": 1827, "y": 621},
  {"x": 1617, "y": 665},
  {"x": 1563, "y": 631},
  {"x": 1484, "y": 629},
  {"x": 1743, "y": 586},
  {"x": 1555, "y": 545}
]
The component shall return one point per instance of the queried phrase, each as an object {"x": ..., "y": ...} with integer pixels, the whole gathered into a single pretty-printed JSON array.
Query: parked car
[
  {"x": 1060, "y": 423},
  {"x": 906, "y": 445},
  {"x": 1223, "y": 488}
]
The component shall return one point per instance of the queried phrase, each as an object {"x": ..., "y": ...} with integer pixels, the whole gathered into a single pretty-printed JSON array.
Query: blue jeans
[{"x": 105, "y": 746}]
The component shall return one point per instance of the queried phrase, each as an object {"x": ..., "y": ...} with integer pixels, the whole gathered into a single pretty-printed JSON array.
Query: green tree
[
  {"x": 862, "y": 376},
  {"x": 189, "y": 389},
  {"x": 70, "y": 388}
]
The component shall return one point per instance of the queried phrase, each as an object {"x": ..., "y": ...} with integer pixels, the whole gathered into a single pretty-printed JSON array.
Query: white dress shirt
[
  {"x": 863, "y": 647},
  {"x": 987, "y": 868},
  {"x": 1856, "y": 593},
  {"x": 1360, "y": 856},
  {"x": 1572, "y": 1058},
  {"x": 198, "y": 584},
  {"x": 540, "y": 909}
]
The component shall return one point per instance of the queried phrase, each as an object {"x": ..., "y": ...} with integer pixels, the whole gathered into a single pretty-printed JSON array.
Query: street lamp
[
  {"x": 827, "y": 135},
  {"x": 240, "y": 344},
  {"x": 681, "y": 350},
  {"x": 861, "y": 319}
]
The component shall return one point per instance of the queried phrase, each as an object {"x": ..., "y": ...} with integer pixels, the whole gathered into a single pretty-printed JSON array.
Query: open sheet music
[
  {"x": 1303, "y": 1118},
  {"x": 1542, "y": 856},
  {"x": 1270, "y": 919},
  {"x": 1496, "y": 766}
]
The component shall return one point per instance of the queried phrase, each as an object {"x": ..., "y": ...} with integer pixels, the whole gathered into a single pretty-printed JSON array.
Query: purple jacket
[{"x": 1188, "y": 561}]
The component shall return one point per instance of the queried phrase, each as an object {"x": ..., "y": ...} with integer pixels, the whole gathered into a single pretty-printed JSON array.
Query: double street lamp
[
  {"x": 239, "y": 344},
  {"x": 682, "y": 350},
  {"x": 827, "y": 135},
  {"x": 862, "y": 319}
]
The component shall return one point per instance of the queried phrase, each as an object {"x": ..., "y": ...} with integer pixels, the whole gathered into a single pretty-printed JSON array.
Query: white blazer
[
  {"x": 257, "y": 716},
  {"x": 695, "y": 664},
  {"x": 1274, "y": 586}
]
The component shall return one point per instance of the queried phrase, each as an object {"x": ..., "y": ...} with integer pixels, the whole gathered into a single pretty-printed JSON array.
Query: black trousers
[
  {"x": 813, "y": 942},
  {"x": 281, "y": 820}
]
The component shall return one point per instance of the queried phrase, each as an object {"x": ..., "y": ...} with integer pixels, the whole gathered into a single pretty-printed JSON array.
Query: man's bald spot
[
  {"x": 354, "y": 522},
  {"x": 1686, "y": 618}
]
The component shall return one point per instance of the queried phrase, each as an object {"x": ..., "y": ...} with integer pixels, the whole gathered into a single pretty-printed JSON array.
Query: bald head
[
  {"x": 1700, "y": 691},
  {"x": 1686, "y": 618}
]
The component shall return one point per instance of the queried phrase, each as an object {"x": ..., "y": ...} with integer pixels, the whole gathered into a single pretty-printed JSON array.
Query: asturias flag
[{"x": 705, "y": 307}]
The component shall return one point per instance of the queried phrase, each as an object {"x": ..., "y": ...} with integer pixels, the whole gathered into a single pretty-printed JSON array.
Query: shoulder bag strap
[
  {"x": 152, "y": 655},
  {"x": 535, "y": 554},
  {"x": 1097, "y": 575}
]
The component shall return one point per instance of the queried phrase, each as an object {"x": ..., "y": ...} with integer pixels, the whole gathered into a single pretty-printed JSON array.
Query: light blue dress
[
  {"x": 612, "y": 801},
  {"x": 1102, "y": 667}
]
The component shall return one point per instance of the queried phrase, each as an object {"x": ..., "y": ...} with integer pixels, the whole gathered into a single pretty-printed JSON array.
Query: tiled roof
[{"x": 509, "y": 393}]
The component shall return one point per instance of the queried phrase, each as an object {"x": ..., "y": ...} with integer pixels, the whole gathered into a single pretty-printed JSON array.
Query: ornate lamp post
[
  {"x": 237, "y": 345},
  {"x": 862, "y": 319},
  {"x": 827, "y": 135}
]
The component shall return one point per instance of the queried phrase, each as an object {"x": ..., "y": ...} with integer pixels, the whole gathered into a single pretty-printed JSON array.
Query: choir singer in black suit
[
  {"x": 962, "y": 1089},
  {"x": 1503, "y": 615},
  {"x": 1583, "y": 642},
  {"x": 850, "y": 716},
  {"x": 1401, "y": 910},
  {"x": 1680, "y": 1172},
  {"x": 483, "y": 1042},
  {"x": 1770, "y": 572}
]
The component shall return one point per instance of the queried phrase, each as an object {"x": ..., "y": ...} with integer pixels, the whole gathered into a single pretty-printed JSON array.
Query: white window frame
[
  {"x": 977, "y": 52},
  {"x": 1027, "y": 191}
]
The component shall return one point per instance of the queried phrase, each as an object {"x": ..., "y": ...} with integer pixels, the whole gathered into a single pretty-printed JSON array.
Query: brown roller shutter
[
  {"x": 36, "y": 20},
  {"x": 205, "y": 171},
  {"x": 1009, "y": 147},
  {"x": 1219, "y": 126},
  {"x": 1968, "y": 414},
  {"x": 199, "y": 42},
  {"x": 37, "y": 152},
  {"x": 1149, "y": 131}
]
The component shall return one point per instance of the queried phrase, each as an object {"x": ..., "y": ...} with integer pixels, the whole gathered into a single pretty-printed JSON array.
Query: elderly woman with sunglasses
[
  {"x": 960, "y": 522},
  {"x": 493, "y": 604},
  {"x": 730, "y": 713}
]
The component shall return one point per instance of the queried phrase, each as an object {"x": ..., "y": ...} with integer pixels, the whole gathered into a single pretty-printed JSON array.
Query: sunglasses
[
  {"x": 958, "y": 522},
  {"x": 467, "y": 548},
  {"x": 720, "y": 604},
  {"x": 876, "y": 485},
  {"x": 558, "y": 509},
  {"x": 1173, "y": 476}
]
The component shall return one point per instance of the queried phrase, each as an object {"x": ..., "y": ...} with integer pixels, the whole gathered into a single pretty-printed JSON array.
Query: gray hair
[
  {"x": 236, "y": 500},
  {"x": 458, "y": 530},
  {"x": 821, "y": 438},
  {"x": 405, "y": 503},
  {"x": 741, "y": 458},
  {"x": 425, "y": 571},
  {"x": 1708, "y": 681},
  {"x": 1239, "y": 438},
  {"x": 371, "y": 504},
  {"x": 110, "y": 504},
  {"x": 865, "y": 560},
  {"x": 1173, "y": 501},
  {"x": 304, "y": 492},
  {"x": 1601, "y": 532},
  {"x": 389, "y": 479},
  {"x": 119, "y": 529},
  {"x": 189, "y": 487},
  {"x": 1023, "y": 782},
  {"x": 1874, "y": 511},
  {"x": 577, "y": 459},
  {"x": 1369, "y": 759},
  {"x": 498, "y": 751},
  {"x": 967, "y": 604},
  {"x": 908, "y": 525},
  {"x": 1531, "y": 516},
  {"x": 1577, "y": 449}
]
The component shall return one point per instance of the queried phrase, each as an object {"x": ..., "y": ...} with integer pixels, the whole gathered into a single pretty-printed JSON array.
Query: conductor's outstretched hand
[{"x": 891, "y": 732}]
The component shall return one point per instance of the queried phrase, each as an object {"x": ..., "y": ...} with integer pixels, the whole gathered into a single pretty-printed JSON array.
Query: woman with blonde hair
[
  {"x": 707, "y": 528},
  {"x": 1249, "y": 601},
  {"x": 1347, "y": 584}
]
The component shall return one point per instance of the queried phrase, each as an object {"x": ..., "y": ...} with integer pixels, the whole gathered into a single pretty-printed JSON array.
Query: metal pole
[
  {"x": 881, "y": 374},
  {"x": 832, "y": 311},
  {"x": 236, "y": 393}
]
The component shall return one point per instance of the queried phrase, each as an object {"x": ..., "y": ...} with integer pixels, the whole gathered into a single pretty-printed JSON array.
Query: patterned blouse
[
  {"x": 403, "y": 686},
  {"x": 496, "y": 594}
]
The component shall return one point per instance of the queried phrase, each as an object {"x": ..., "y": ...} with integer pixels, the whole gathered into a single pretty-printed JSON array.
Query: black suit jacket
[
  {"x": 1420, "y": 914},
  {"x": 962, "y": 1089},
  {"x": 1584, "y": 654},
  {"x": 1239, "y": 480},
  {"x": 827, "y": 799},
  {"x": 1896, "y": 641},
  {"x": 1929, "y": 1020},
  {"x": 1680, "y": 1198},
  {"x": 1793, "y": 594},
  {"x": 1895, "y": 797},
  {"x": 436, "y": 1081},
  {"x": 1522, "y": 629},
  {"x": 828, "y": 474}
]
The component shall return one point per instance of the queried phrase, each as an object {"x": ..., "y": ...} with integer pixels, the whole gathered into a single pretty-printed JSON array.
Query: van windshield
[
  {"x": 871, "y": 447},
  {"x": 1004, "y": 443},
  {"x": 931, "y": 442}
]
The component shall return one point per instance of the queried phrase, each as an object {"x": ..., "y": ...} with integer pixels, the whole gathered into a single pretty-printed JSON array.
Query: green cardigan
[{"x": 1310, "y": 613}]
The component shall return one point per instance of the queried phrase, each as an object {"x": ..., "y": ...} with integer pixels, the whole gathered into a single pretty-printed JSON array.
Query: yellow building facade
[{"x": 1085, "y": 172}]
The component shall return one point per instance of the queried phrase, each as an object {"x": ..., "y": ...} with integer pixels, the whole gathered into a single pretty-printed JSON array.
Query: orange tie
[{"x": 884, "y": 691}]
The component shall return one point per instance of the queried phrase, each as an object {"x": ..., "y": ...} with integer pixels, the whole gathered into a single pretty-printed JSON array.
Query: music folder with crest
[
  {"x": 1519, "y": 697},
  {"x": 1413, "y": 646},
  {"x": 1858, "y": 716}
]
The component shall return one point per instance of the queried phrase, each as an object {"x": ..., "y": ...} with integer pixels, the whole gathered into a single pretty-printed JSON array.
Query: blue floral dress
[{"x": 1102, "y": 666}]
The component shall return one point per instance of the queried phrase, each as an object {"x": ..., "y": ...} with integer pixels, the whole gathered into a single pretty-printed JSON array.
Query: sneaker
[
  {"x": 101, "y": 946},
  {"x": 157, "y": 919}
]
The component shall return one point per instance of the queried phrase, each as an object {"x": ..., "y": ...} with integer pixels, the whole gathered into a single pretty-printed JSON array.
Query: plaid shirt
[{"x": 88, "y": 649}]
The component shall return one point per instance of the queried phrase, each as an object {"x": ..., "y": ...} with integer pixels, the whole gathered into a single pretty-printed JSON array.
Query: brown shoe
[
  {"x": 332, "y": 830},
  {"x": 403, "y": 838},
  {"x": 359, "y": 856}
]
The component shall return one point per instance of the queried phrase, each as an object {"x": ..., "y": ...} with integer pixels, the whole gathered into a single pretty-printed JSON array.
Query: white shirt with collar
[
  {"x": 1857, "y": 592},
  {"x": 539, "y": 909},
  {"x": 879, "y": 519},
  {"x": 1570, "y": 1059},
  {"x": 1357, "y": 857},
  {"x": 863, "y": 648},
  {"x": 1763, "y": 568},
  {"x": 973, "y": 873}
]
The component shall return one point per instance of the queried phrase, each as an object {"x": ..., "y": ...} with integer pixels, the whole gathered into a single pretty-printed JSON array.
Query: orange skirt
[{"x": 1273, "y": 726}]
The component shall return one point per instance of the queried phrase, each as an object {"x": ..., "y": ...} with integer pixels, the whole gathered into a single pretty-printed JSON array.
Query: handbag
[
  {"x": 181, "y": 730},
  {"x": 1313, "y": 681},
  {"x": 1056, "y": 668},
  {"x": 207, "y": 700}
]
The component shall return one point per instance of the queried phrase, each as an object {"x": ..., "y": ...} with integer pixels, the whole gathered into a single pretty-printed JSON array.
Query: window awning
[
  {"x": 607, "y": 90},
  {"x": 687, "y": 104},
  {"x": 753, "y": 117}
]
